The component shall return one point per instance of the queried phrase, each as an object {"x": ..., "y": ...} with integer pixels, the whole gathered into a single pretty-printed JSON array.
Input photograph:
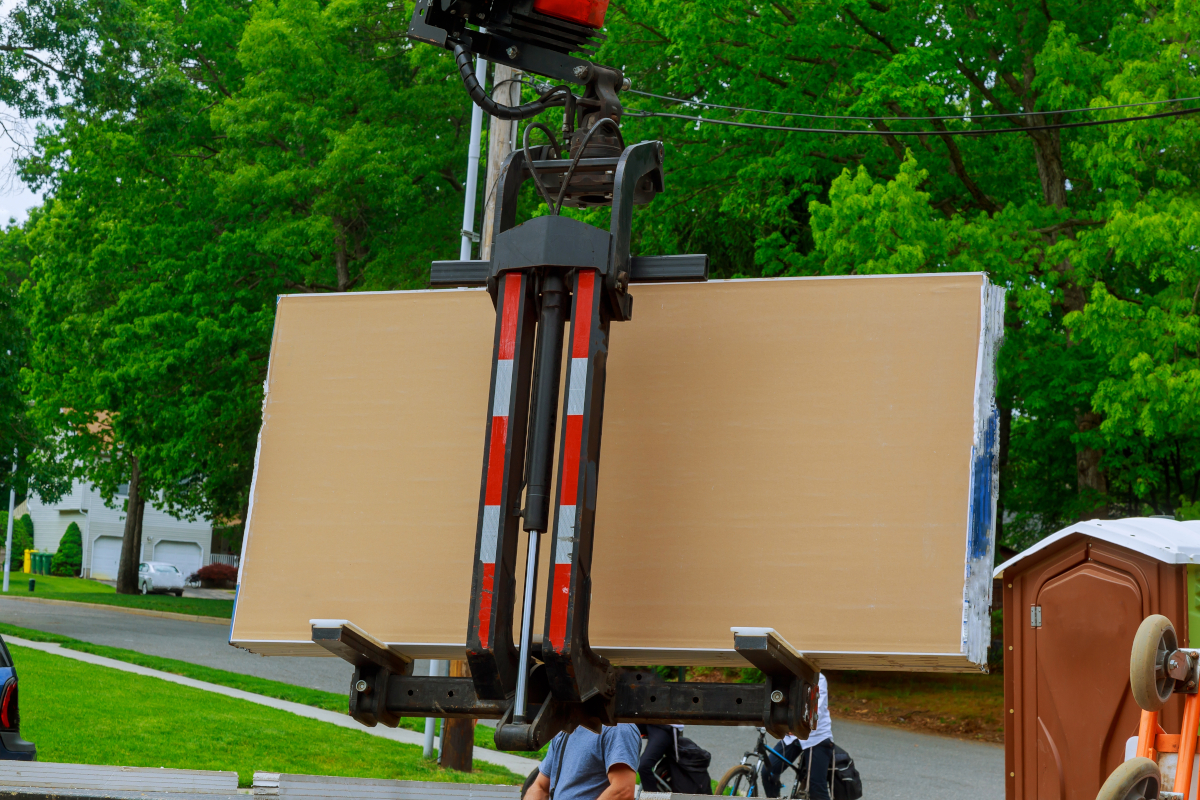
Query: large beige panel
[{"x": 792, "y": 454}]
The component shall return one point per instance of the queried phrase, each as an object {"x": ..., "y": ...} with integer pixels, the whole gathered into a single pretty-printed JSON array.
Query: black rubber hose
[{"x": 480, "y": 96}]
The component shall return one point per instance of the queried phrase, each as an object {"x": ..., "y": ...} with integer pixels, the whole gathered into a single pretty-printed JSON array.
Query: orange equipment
[{"x": 1157, "y": 669}]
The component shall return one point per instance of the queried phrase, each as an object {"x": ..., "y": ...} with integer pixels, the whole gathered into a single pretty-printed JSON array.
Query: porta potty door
[{"x": 1088, "y": 616}]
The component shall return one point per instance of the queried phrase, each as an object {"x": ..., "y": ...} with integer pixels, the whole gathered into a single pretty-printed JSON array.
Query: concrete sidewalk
[{"x": 517, "y": 764}]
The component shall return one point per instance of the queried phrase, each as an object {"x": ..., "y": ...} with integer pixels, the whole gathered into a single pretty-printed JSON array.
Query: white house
[{"x": 164, "y": 538}]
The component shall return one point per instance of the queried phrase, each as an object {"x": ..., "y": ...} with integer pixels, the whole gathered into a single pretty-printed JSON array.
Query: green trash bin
[{"x": 44, "y": 563}]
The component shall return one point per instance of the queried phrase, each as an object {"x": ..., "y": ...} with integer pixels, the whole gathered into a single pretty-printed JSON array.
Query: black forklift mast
[{"x": 557, "y": 284}]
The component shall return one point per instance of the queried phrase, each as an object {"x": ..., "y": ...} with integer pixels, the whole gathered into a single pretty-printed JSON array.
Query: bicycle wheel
[{"x": 738, "y": 782}]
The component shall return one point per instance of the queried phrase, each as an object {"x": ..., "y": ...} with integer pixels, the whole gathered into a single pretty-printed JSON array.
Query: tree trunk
[
  {"x": 458, "y": 735},
  {"x": 507, "y": 91},
  {"x": 1047, "y": 148},
  {"x": 341, "y": 259},
  {"x": 1089, "y": 476},
  {"x": 131, "y": 544}
]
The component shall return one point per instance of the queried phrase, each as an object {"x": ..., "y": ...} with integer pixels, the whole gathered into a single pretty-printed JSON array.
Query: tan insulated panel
[{"x": 796, "y": 454}]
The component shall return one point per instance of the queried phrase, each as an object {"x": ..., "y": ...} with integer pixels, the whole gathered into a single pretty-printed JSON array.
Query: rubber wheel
[
  {"x": 737, "y": 782},
  {"x": 178, "y": 593},
  {"x": 1155, "y": 640},
  {"x": 1136, "y": 779}
]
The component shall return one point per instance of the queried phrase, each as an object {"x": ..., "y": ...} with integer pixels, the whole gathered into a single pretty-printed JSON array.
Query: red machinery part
[
  {"x": 584, "y": 12},
  {"x": 8, "y": 705}
]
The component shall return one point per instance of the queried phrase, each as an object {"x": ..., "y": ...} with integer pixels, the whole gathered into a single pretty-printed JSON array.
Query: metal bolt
[
  {"x": 481, "y": 15},
  {"x": 1191, "y": 684},
  {"x": 625, "y": 84},
  {"x": 361, "y": 686},
  {"x": 1172, "y": 664},
  {"x": 776, "y": 696},
  {"x": 513, "y": 52},
  {"x": 580, "y": 71}
]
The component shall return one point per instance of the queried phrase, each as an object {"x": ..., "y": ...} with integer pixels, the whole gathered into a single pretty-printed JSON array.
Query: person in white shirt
[{"x": 818, "y": 750}]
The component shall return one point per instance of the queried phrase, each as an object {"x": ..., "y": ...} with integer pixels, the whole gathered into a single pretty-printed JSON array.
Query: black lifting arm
[{"x": 384, "y": 690}]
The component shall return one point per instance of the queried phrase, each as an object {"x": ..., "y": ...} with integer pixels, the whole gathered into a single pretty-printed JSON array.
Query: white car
[{"x": 159, "y": 576}]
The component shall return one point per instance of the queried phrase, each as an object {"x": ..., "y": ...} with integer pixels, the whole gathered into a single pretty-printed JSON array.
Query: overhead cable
[
  {"x": 961, "y": 117},
  {"x": 976, "y": 132}
]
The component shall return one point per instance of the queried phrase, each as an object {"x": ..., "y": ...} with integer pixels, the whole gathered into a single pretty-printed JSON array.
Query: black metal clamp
[{"x": 384, "y": 690}]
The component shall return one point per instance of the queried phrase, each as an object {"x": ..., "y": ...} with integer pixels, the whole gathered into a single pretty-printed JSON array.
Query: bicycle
[{"x": 742, "y": 780}]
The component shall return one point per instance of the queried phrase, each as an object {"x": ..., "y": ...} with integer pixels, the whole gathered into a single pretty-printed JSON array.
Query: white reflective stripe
[
  {"x": 566, "y": 535},
  {"x": 491, "y": 526},
  {"x": 503, "y": 398},
  {"x": 578, "y": 386}
]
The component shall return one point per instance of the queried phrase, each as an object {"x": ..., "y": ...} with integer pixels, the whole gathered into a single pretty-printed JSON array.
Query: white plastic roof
[{"x": 1166, "y": 540}]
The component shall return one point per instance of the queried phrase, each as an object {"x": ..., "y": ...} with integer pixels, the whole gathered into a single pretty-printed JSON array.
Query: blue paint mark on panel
[{"x": 982, "y": 469}]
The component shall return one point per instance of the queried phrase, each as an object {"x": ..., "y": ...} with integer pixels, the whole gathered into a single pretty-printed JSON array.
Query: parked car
[
  {"x": 161, "y": 577},
  {"x": 12, "y": 746}
]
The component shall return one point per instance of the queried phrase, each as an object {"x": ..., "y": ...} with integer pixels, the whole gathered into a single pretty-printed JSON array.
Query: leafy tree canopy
[{"x": 204, "y": 157}]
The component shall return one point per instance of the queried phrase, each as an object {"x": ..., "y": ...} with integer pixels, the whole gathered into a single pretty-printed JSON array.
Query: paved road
[
  {"x": 197, "y": 642},
  {"x": 894, "y": 764}
]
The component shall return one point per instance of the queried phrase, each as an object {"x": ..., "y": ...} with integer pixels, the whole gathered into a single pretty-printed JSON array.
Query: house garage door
[
  {"x": 106, "y": 555},
  {"x": 184, "y": 555}
]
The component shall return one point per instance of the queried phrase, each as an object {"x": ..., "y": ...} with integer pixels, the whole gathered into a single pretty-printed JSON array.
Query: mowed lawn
[
  {"x": 82, "y": 590},
  {"x": 81, "y": 713}
]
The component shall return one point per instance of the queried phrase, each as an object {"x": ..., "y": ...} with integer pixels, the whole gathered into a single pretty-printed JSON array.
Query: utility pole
[
  {"x": 12, "y": 498},
  {"x": 468, "y": 226},
  {"x": 464, "y": 254},
  {"x": 502, "y": 135},
  {"x": 435, "y": 670}
]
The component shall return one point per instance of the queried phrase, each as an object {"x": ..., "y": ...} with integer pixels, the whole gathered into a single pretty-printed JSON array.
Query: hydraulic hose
[{"x": 480, "y": 96}]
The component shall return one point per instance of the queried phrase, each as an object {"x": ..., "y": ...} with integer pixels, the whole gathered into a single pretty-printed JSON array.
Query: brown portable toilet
[{"x": 1072, "y": 605}]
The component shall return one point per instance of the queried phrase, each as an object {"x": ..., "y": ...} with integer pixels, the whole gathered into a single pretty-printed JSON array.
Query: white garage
[
  {"x": 106, "y": 556},
  {"x": 186, "y": 556}
]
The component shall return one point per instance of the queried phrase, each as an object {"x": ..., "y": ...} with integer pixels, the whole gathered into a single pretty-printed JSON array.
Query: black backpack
[
  {"x": 689, "y": 773},
  {"x": 847, "y": 785}
]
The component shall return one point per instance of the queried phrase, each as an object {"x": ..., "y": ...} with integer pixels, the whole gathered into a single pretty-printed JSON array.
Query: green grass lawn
[
  {"x": 247, "y": 683},
  {"x": 81, "y": 713},
  {"x": 81, "y": 590}
]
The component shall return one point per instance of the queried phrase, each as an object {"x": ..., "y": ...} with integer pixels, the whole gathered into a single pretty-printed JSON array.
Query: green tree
[
  {"x": 1090, "y": 229},
  {"x": 253, "y": 151},
  {"x": 22, "y": 537},
  {"x": 68, "y": 559}
]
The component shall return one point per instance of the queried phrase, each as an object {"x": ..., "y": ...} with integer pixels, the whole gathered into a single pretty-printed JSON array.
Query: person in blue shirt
[
  {"x": 817, "y": 748},
  {"x": 587, "y": 766}
]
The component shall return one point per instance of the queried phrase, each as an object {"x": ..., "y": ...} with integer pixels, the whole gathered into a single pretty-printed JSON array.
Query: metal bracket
[
  {"x": 645, "y": 269},
  {"x": 1184, "y": 667},
  {"x": 791, "y": 680},
  {"x": 374, "y": 664},
  {"x": 348, "y": 641}
]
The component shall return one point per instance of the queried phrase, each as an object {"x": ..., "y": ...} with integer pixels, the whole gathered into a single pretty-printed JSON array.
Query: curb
[{"x": 144, "y": 612}]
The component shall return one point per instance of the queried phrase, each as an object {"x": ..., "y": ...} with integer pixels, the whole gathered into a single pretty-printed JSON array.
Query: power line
[
  {"x": 961, "y": 117},
  {"x": 977, "y": 132}
]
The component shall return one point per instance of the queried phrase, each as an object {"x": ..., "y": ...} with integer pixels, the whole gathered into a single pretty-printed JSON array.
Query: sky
[{"x": 15, "y": 197}]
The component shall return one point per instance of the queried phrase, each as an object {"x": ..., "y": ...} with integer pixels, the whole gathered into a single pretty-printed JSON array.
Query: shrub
[
  {"x": 69, "y": 558},
  {"x": 22, "y": 538},
  {"x": 214, "y": 572}
]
